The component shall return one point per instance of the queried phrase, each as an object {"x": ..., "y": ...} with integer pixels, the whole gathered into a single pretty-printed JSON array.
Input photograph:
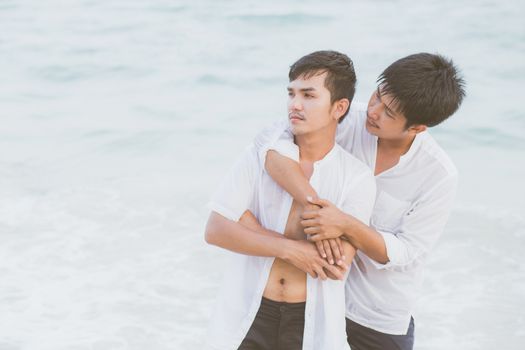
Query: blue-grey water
[{"x": 119, "y": 118}]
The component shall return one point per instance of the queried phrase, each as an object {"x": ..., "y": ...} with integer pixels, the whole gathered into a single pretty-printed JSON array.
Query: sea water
[{"x": 119, "y": 118}]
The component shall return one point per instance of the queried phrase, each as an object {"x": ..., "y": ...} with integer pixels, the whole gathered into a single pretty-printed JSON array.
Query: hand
[
  {"x": 304, "y": 255},
  {"x": 331, "y": 250},
  {"x": 324, "y": 223}
]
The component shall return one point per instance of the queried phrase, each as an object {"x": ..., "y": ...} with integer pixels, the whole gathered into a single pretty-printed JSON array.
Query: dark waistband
[{"x": 278, "y": 304}]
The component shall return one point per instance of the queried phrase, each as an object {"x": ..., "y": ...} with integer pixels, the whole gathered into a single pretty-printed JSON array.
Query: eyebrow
[
  {"x": 388, "y": 109},
  {"x": 303, "y": 89}
]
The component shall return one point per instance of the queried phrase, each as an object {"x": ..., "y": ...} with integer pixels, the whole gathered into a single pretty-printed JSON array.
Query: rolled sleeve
[
  {"x": 276, "y": 137},
  {"x": 285, "y": 146},
  {"x": 420, "y": 228}
]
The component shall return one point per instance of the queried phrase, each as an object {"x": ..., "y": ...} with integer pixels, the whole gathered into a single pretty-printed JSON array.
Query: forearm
[
  {"x": 249, "y": 221},
  {"x": 235, "y": 237},
  {"x": 289, "y": 175},
  {"x": 365, "y": 239}
]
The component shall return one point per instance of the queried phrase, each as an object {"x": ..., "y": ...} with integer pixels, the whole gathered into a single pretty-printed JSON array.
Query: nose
[
  {"x": 294, "y": 104},
  {"x": 374, "y": 110}
]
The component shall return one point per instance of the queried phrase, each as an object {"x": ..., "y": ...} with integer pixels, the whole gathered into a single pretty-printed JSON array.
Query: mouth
[{"x": 294, "y": 117}]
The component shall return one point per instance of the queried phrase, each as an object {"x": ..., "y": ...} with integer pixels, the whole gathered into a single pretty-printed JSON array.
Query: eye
[
  {"x": 308, "y": 96},
  {"x": 290, "y": 94}
]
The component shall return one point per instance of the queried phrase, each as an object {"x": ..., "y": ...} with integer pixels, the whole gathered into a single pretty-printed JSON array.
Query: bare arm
[
  {"x": 366, "y": 239},
  {"x": 237, "y": 237},
  {"x": 233, "y": 236},
  {"x": 289, "y": 175},
  {"x": 249, "y": 221},
  {"x": 330, "y": 222}
]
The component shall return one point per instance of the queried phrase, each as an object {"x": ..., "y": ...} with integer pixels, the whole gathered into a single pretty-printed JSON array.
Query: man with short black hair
[
  {"x": 280, "y": 304},
  {"x": 416, "y": 185}
]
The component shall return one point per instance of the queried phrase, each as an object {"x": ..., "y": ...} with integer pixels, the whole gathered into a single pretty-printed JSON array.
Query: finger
[
  {"x": 312, "y": 273},
  {"x": 318, "y": 201},
  {"x": 309, "y": 222},
  {"x": 328, "y": 250},
  {"x": 316, "y": 238},
  {"x": 320, "y": 249},
  {"x": 320, "y": 272},
  {"x": 330, "y": 275},
  {"x": 336, "y": 271},
  {"x": 340, "y": 245},
  {"x": 335, "y": 251},
  {"x": 312, "y": 230},
  {"x": 309, "y": 214}
]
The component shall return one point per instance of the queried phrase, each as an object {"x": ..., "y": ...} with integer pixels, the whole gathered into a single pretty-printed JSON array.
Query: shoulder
[
  {"x": 356, "y": 116},
  {"x": 270, "y": 134},
  {"x": 354, "y": 169},
  {"x": 436, "y": 157}
]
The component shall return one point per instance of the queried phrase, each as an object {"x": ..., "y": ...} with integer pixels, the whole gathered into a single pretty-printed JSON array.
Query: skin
[
  {"x": 249, "y": 238},
  {"x": 313, "y": 120},
  {"x": 327, "y": 221}
]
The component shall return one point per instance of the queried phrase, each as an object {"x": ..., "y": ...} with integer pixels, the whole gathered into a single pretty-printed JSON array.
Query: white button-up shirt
[
  {"x": 339, "y": 177},
  {"x": 414, "y": 199}
]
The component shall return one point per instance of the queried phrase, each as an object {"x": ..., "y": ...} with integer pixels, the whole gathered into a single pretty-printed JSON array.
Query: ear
[
  {"x": 340, "y": 107},
  {"x": 417, "y": 128}
]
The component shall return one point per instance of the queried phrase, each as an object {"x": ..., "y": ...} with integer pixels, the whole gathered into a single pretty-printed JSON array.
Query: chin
[
  {"x": 295, "y": 130},
  {"x": 372, "y": 131}
]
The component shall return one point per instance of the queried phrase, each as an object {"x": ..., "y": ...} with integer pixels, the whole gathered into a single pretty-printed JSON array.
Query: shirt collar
[
  {"x": 414, "y": 147},
  {"x": 329, "y": 156}
]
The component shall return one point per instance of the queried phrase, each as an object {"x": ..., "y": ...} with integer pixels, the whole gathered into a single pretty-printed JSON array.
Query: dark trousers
[
  {"x": 277, "y": 326},
  {"x": 362, "y": 338}
]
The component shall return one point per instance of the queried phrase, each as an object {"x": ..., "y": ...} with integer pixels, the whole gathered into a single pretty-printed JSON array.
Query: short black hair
[
  {"x": 426, "y": 88},
  {"x": 340, "y": 78}
]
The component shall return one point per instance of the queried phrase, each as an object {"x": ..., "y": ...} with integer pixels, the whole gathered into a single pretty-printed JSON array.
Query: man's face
[
  {"x": 383, "y": 120},
  {"x": 309, "y": 107}
]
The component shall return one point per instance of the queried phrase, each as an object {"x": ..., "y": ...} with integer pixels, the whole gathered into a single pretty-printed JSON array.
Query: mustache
[{"x": 295, "y": 115}]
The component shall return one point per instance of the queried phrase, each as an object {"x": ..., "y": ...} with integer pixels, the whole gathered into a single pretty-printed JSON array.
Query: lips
[
  {"x": 372, "y": 123},
  {"x": 295, "y": 116}
]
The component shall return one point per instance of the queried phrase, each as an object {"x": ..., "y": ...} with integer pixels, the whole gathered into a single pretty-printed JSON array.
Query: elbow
[{"x": 210, "y": 236}]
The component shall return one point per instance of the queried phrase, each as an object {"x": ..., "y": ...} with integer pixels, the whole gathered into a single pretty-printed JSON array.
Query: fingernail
[
  {"x": 309, "y": 198},
  {"x": 343, "y": 257},
  {"x": 331, "y": 262},
  {"x": 340, "y": 262},
  {"x": 324, "y": 255}
]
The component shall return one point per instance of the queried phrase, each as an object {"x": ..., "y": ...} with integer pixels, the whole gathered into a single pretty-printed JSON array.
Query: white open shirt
[
  {"x": 338, "y": 177},
  {"x": 414, "y": 199}
]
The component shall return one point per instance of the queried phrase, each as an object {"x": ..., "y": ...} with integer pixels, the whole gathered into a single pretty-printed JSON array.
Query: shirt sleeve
[
  {"x": 276, "y": 137},
  {"x": 421, "y": 227},
  {"x": 236, "y": 192},
  {"x": 360, "y": 198}
]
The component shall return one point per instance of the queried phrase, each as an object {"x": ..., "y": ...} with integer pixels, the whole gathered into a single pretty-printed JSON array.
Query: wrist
[
  {"x": 347, "y": 226},
  {"x": 284, "y": 248}
]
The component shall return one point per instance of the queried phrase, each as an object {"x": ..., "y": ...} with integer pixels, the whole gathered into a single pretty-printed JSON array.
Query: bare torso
[{"x": 286, "y": 282}]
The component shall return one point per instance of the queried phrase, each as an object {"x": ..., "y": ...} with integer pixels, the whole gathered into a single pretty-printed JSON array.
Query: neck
[
  {"x": 316, "y": 145},
  {"x": 399, "y": 146}
]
